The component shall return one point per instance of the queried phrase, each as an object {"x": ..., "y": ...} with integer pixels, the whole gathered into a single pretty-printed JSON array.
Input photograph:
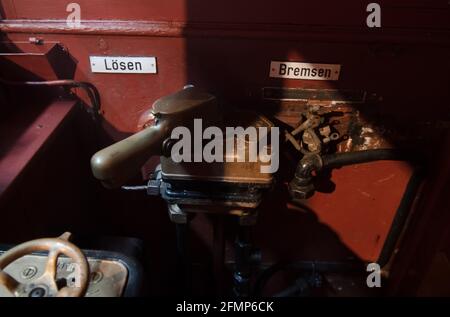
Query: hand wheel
[{"x": 45, "y": 285}]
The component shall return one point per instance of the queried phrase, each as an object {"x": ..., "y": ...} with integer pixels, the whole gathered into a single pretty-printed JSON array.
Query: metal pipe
[
  {"x": 184, "y": 276},
  {"x": 351, "y": 158},
  {"x": 403, "y": 211},
  {"x": 89, "y": 88},
  {"x": 246, "y": 256},
  {"x": 309, "y": 266},
  {"x": 219, "y": 253},
  {"x": 301, "y": 288}
]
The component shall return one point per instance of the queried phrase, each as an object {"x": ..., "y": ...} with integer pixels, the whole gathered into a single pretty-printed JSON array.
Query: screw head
[{"x": 29, "y": 272}]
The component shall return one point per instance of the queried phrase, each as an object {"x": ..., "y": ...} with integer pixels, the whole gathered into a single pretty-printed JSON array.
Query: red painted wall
[{"x": 226, "y": 47}]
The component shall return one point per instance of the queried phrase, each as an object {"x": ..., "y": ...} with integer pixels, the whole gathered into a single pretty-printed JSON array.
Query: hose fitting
[{"x": 302, "y": 187}]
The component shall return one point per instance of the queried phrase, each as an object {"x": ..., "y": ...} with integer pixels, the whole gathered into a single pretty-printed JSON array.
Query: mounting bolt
[
  {"x": 36, "y": 40},
  {"x": 29, "y": 272},
  {"x": 38, "y": 292}
]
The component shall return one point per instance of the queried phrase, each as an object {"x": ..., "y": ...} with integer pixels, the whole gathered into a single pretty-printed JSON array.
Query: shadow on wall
[{"x": 231, "y": 59}]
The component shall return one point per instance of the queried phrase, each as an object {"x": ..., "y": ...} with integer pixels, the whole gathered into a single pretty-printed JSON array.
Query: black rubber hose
[
  {"x": 301, "y": 186},
  {"x": 351, "y": 158}
]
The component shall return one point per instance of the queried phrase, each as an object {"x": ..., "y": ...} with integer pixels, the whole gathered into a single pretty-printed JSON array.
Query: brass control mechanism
[{"x": 116, "y": 164}]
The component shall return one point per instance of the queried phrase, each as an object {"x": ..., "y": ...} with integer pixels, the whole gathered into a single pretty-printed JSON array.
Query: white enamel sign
[
  {"x": 124, "y": 65},
  {"x": 294, "y": 70}
]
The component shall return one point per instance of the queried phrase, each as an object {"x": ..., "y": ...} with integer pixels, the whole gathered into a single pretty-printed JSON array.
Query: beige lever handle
[{"x": 114, "y": 165}]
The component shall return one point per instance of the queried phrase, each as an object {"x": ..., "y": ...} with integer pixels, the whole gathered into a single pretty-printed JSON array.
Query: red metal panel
[
  {"x": 226, "y": 48},
  {"x": 21, "y": 140},
  {"x": 350, "y": 222},
  {"x": 25, "y": 61},
  {"x": 406, "y": 13},
  {"x": 370, "y": 204}
]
